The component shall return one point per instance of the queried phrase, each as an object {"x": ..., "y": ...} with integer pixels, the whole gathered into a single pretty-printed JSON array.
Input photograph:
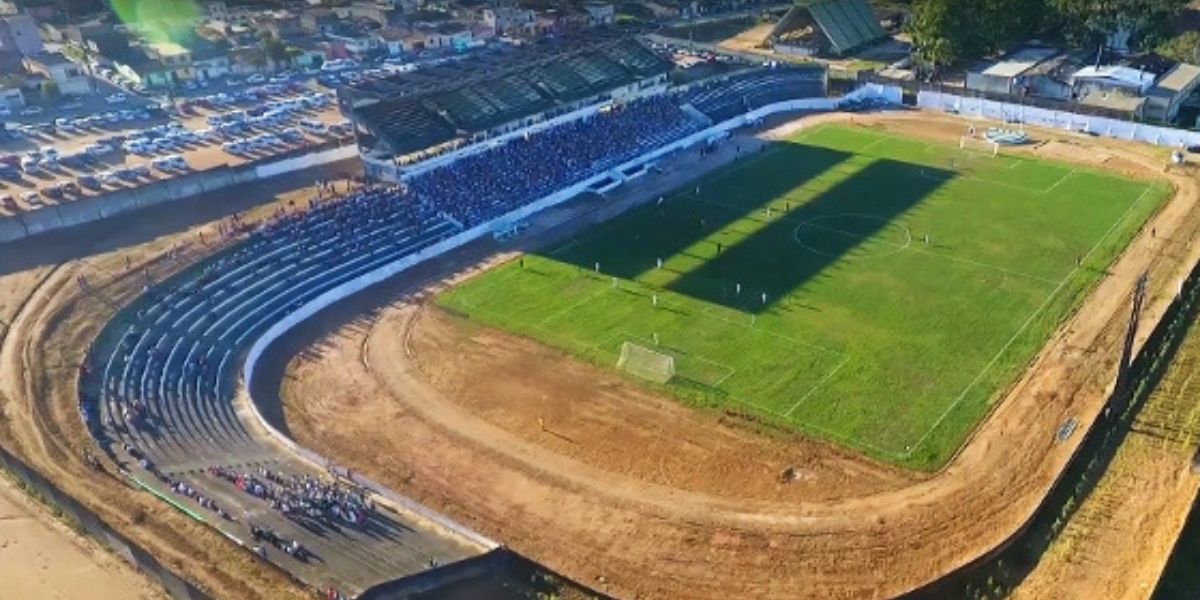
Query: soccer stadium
[{"x": 574, "y": 326}]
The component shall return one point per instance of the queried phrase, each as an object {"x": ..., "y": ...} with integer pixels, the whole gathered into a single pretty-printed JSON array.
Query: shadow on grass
[{"x": 756, "y": 271}]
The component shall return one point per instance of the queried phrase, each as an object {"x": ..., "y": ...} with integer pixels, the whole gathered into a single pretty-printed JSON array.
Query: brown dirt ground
[
  {"x": 643, "y": 498},
  {"x": 48, "y": 324},
  {"x": 42, "y": 558},
  {"x": 1117, "y": 544}
]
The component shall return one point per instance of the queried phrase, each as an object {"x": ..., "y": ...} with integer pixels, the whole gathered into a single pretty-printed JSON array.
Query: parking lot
[{"x": 61, "y": 159}]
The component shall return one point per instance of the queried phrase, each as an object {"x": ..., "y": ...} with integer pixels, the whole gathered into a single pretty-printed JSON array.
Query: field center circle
[{"x": 868, "y": 236}]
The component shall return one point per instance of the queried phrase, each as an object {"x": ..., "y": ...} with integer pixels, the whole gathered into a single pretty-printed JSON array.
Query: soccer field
[{"x": 873, "y": 290}]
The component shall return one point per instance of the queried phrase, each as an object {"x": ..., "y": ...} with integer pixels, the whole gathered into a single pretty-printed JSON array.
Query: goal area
[{"x": 648, "y": 364}]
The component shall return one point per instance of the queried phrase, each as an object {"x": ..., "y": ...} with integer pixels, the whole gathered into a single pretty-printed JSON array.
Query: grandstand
[
  {"x": 160, "y": 387},
  {"x": 746, "y": 91},
  {"x": 449, "y": 102}
]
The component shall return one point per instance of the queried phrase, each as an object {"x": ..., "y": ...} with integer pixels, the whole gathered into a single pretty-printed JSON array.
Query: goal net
[
  {"x": 646, "y": 363},
  {"x": 978, "y": 145}
]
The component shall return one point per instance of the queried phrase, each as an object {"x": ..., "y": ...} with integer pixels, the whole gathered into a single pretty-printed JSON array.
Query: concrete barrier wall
[
  {"x": 187, "y": 185},
  {"x": 12, "y": 229},
  {"x": 307, "y": 161},
  {"x": 88, "y": 523},
  {"x": 1057, "y": 119}
]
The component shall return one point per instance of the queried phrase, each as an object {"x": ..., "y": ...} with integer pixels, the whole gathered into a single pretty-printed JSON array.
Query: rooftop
[
  {"x": 1118, "y": 75},
  {"x": 1176, "y": 80},
  {"x": 1019, "y": 62},
  {"x": 1113, "y": 101}
]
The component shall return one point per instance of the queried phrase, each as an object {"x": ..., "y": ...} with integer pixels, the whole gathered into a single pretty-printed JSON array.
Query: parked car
[
  {"x": 9, "y": 202},
  {"x": 32, "y": 198},
  {"x": 256, "y": 79},
  {"x": 90, "y": 181},
  {"x": 54, "y": 191},
  {"x": 71, "y": 188},
  {"x": 98, "y": 149},
  {"x": 117, "y": 99},
  {"x": 29, "y": 111},
  {"x": 312, "y": 126}
]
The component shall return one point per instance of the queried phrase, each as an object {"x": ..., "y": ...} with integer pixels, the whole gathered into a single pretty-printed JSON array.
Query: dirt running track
[
  {"x": 642, "y": 498},
  {"x": 46, "y": 326}
]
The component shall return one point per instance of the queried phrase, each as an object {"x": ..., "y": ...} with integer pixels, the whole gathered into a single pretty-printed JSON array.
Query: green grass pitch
[{"x": 876, "y": 291}]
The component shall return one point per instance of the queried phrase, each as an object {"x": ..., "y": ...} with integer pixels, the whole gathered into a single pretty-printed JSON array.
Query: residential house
[
  {"x": 210, "y": 59},
  {"x": 1164, "y": 100},
  {"x": 11, "y": 85},
  {"x": 600, "y": 13},
  {"x": 312, "y": 52},
  {"x": 281, "y": 24},
  {"x": 216, "y": 10},
  {"x": 317, "y": 20},
  {"x": 1006, "y": 76},
  {"x": 509, "y": 20},
  {"x": 101, "y": 42},
  {"x": 383, "y": 12},
  {"x": 20, "y": 33},
  {"x": 68, "y": 76},
  {"x": 1051, "y": 78},
  {"x": 354, "y": 39}
]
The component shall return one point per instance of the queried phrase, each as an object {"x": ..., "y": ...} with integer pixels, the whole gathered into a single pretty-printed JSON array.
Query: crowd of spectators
[
  {"x": 488, "y": 184},
  {"x": 304, "y": 495}
]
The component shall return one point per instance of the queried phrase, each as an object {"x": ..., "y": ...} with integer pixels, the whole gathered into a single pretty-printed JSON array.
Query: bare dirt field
[
  {"x": 46, "y": 325},
  {"x": 640, "y": 497},
  {"x": 42, "y": 558}
]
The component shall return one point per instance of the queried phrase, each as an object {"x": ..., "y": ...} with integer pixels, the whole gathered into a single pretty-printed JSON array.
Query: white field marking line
[
  {"x": 880, "y": 138},
  {"x": 861, "y": 238},
  {"x": 572, "y": 306},
  {"x": 828, "y": 433},
  {"x": 1026, "y": 324},
  {"x": 1059, "y": 182},
  {"x": 820, "y": 383}
]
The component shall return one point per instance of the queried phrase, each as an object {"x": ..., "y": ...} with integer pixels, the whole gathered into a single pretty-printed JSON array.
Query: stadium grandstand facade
[{"x": 452, "y": 103}]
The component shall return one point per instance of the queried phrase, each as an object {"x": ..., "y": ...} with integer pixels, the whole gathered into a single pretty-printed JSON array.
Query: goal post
[
  {"x": 648, "y": 364},
  {"x": 979, "y": 145}
]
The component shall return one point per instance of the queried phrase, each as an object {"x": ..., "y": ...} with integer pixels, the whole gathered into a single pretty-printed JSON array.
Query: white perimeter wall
[{"x": 1056, "y": 119}]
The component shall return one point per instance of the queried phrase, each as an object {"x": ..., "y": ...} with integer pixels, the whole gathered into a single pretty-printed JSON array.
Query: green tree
[
  {"x": 943, "y": 31},
  {"x": 1184, "y": 47},
  {"x": 275, "y": 49},
  {"x": 1089, "y": 22},
  {"x": 50, "y": 91},
  {"x": 1005, "y": 23}
]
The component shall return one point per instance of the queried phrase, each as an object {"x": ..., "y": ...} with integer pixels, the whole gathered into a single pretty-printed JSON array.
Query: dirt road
[
  {"x": 42, "y": 558},
  {"x": 634, "y": 495}
]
